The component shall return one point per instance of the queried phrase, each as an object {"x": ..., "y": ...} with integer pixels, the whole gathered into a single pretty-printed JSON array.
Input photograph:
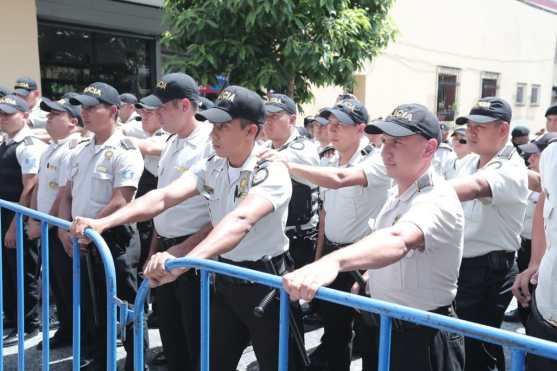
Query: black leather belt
[
  {"x": 166, "y": 243},
  {"x": 280, "y": 263}
]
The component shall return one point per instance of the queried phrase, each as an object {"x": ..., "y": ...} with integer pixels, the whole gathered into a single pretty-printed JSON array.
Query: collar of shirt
[
  {"x": 194, "y": 139},
  {"x": 20, "y": 135},
  {"x": 414, "y": 188},
  {"x": 112, "y": 142},
  {"x": 293, "y": 135}
]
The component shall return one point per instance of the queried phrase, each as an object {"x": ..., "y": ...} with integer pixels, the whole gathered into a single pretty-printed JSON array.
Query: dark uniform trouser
[
  {"x": 61, "y": 283},
  {"x": 302, "y": 246},
  {"x": 338, "y": 322},
  {"x": 479, "y": 299},
  {"x": 537, "y": 326},
  {"x": 415, "y": 347},
  {"x": 178, "y": 314},
  {"x": 522, "y": 260},
  {"x": 31, "y": 275},
  {"x": 233, "y": 323},
  {"x": 123, "y": 242}
]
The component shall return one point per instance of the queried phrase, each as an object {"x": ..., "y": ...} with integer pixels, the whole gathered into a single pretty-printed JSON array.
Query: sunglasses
[{"x": 462, "y": 141}]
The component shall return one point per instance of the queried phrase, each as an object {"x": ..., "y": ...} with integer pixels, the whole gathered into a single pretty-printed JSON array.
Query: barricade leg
[
  {"x": 76, "y": 291},
  {"x": 385, "y": 343},
  {"x": 283, "y": 330},
  {"x": 1, "y": 295},
  {"x": 45, "y": 295},
  {"x": 205, "y": 321},
  {"x": 20, "y": 293},
  {"x": 517, "y": 360},
  {"x": 142, "y": 293}
]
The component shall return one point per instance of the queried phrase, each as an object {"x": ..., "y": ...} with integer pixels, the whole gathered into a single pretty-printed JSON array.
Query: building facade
[
  {"x": 66, "y": 44},
  {"x": 449, "y": 53}
]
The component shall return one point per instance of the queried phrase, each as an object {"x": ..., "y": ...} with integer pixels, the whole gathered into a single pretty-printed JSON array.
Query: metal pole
[
  {"x": 1, "y": 293},
  {"x": 517, "y": 360},
  {"x": 283, "y": 330},
  {"x": 205, "y": 320},
  {"x": 76, "y": 341},
  {"x": 139, "y": 361},
  {"x": 385, "y": 343},
  {"x": 20, "y": 297},
  {"x": 46, "y": 296}
]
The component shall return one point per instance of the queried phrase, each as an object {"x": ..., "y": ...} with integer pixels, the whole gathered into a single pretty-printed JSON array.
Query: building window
[
  {"x": 447, "y": 90},
  {"x": 490, "y": 82},
  {"x": 535, "y": 95},
  {"x": 71, "y": 58},
  {"x": 520, "y": 94}
]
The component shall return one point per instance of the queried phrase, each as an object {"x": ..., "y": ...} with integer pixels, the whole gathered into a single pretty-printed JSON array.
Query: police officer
[
  {"x": 301, "y": 226},
  {"x": 126, "y": 112},
  {"x": 103, "y": 178},
  {"x": 414, "y": 251},
  {"x": 62, "y": 126},
  {"x": 551, "y": 119},
  {"x": 542, "y": 320},
  {"x": 27, "y": 88},
  {"x": 248, "y": 203},
  {"x": 354, "y": 191},
  {"x": 4, "y": 91},
  {"x": 520, "y": 135},
  {"x": 445, "y": 152},
  {"x": 19, "y": 163},
  {"x": 459, "y": 143},
  {"x": 493, "y": 185}
]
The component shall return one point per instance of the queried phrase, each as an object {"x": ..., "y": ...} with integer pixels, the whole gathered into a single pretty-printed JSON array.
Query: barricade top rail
[{"x": 526, "y": 343}]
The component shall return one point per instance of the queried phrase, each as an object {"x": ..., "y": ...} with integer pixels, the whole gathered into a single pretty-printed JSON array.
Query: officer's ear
[
  {"x": 504, "y": 128},
  {"x": 186, "y": 104},
  {"x": 430, "y": 147},
  {"x": 360, "y": 128},
  {"x": 292, "y": 120}
]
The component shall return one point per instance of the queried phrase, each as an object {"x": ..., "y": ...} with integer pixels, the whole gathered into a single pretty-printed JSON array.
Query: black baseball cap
[
  {"x": 406, "y": 120},
  {"x": 97, "y": 93},
  {"x": 128, "y": 98},
  {"x": 551, "y": 110},
  {"x": 486, "y": 110},
  {"x": 520, "y": 131},
  {"x": 205, "y": 103},
  {"x": 149, "y": 102},
  {"x": 347, "y": 112},
  {"x": 13, "y": 103},
  {"x": 176, "y": 85},
  {"x": 24, "y": 85},
  {"x": 5, "y": 91},
  {"x": 280, "y": 102},
  {"x": 538, "y": 145},
  {"x": 235, "y": 102},
  {"x": 62, "y": 105}
]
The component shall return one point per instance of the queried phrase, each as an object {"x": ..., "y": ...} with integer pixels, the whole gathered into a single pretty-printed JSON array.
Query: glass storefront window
[{"x": 72, "y": 58}]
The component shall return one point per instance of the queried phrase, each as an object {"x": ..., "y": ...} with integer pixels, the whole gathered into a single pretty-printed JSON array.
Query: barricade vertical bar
[
  {"x": 1, "y": 295},
  {"x": 138, "y": 360},
  {"x": 283, "y": 330},
  {"x": 205, "y": 320},
  {"x": 20, "y": 297},
  {"x": 45, "y": 295},
  {"x": 385, "y": 343},
  {"x": 76, "y": 341},
  {"x": 517, "y": 360}
]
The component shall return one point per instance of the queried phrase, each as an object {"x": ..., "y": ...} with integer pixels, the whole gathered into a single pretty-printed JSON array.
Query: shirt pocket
[{"x": 101, "y": 184}]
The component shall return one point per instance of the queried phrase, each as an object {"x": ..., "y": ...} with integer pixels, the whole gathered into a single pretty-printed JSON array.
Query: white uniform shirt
[
  {"x": 443, "y": 155},
  {"x": 54, "y": 164},
  {"x": 134, "y": 128},
  {"x": 546, "y": 291},
  {"x": 304, "y": 152},
  {"x": 424, "y": 279},
  {"x": 152, "y": 162},
  {"x": 533, "y": 198},
  {"x": 495, "y": 223},
  {"x": 98, "y": 169},
  {"x": 267, "y": 236},
  {"x": 348, "y": 210},
  {"x": 29, "y": 152},
  {"x": 131, "y": 119},
  {"x": 178, "y": 157},
  {"x": 38, "y": 117}
]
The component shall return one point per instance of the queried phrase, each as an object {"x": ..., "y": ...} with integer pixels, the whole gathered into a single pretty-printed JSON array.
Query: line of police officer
[{"x": 419, "y": 247}]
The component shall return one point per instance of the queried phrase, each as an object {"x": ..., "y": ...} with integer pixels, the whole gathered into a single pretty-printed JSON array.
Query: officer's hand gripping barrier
[
  {"x": 110, "y": 277},
  {"x": 520, "y": 344}
]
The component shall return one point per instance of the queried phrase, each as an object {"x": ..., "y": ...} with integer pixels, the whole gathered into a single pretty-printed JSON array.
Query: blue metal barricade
[
  {"x": 110, "y": 276},
  {"x": 520, "y": 344}
]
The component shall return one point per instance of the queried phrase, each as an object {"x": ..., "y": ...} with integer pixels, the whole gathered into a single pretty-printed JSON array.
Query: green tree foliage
[{"x": 284, "y": 45}]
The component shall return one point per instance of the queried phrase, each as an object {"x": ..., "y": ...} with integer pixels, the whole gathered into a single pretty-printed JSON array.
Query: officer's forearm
[
  {"x": 33, "y": 204},
  {"x": 29, "y": 183},
  {"x": 65, "y": 207},
  {"x": 320, "y": 243},
  {"x": 471, "y": 188},
  {"x": 328, "y": 177},
  {"x": 538, "y": 234},
  {"x": 185, "y": 247},
  {"x": 534, "y": 181}
]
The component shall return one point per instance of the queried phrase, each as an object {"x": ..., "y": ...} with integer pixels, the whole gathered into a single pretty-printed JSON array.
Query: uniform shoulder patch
[
  {"x": 507, "y": 152},
  {"x": 424, "y": 182},
  {"x": 260, "y": 172},
  {"x": 366, "y": 150},
  {"x": 127, "y": 143},
  {"x": 298, "y": 144},
  {"x": 28, "y": 141}
]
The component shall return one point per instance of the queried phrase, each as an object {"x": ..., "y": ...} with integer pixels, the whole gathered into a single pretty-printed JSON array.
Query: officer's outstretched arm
[
  {"x": 471, "y": 187},
  {"x": 143, "y": 208},
  {"x": 329, "y": 177},
  {"x": 233, "y": 227},
  {"x": 379, "y": 249}
]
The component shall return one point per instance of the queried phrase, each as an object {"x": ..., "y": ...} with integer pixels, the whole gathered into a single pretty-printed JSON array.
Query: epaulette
[
  {"x": 127, "y": 143},
  {"x": 424, "y": 182},
  {"x": 169, "y": 137},
  {"x": 507, "y": 152},
  {"x": 28, "y": 141},
  {"x": 446, "y": 146},
  {"x": 367, "y": 150},
  {"x": 297, "y": 143},
  {"x": 326, "y": 150},
  {"x": 260, "y": 172}
]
